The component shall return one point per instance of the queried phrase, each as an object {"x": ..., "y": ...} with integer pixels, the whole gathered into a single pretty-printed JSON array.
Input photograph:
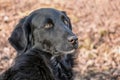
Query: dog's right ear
[{"x": 19, "y": 36}]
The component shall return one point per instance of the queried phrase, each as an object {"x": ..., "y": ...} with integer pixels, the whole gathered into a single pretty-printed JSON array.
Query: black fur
[
  {"x": 33, "y": 65},
  {"x": 45, "y": 42}
]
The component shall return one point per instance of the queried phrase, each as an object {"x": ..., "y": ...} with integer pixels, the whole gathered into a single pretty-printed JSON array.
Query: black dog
[{"x": 45, "y": 42}]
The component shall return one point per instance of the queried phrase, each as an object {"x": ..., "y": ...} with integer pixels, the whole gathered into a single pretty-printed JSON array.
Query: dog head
[{"x": 46, "y": 29}]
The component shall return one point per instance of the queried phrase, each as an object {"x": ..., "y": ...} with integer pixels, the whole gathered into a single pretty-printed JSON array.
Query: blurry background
[{"x": 96, "y": 23}]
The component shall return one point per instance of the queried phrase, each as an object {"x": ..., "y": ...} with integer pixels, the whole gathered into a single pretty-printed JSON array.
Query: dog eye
[
  {"x": 66, "y": 22},
  {"x": 48, "y": 25}
]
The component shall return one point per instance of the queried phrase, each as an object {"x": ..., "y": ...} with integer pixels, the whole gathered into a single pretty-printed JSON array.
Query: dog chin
[
  {"x": 68, "y": 52},
  {"x": 65, "y": 52}
]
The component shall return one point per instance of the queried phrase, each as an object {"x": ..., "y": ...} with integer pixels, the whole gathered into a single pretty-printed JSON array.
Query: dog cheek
[{"x": 47, "y": 45}]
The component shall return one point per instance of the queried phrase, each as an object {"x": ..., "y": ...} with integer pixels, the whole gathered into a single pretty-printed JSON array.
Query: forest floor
[{"x": 95, "y": 22}]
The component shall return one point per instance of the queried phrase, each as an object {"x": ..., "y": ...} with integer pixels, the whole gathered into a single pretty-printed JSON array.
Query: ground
[{"x": 95, "y": 22}]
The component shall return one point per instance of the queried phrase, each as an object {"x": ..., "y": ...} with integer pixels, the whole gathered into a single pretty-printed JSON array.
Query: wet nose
[{"x": 73, "y": 39}]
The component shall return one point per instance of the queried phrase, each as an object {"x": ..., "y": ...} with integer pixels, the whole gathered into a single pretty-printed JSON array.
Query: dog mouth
[
  {"x": 68, "y": 52},
  {"x": 64, "y": 52}
]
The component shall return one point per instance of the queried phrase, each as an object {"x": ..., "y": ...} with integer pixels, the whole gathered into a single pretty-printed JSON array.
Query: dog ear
[
  {"x": 20, "y": 37},
  {"x": 68, "y": 19}
]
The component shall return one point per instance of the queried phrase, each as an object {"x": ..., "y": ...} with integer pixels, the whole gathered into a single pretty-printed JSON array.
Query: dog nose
[{"x": 73, "y": 39}]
